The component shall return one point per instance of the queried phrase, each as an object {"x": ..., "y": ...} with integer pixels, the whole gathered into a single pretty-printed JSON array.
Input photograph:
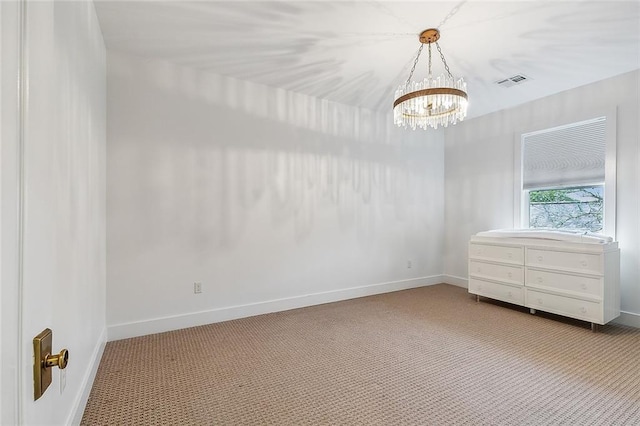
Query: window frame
[{"x": 521, "y": 196}]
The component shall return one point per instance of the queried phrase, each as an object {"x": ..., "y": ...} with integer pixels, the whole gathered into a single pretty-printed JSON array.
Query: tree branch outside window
[{"x": 569, "y": 208}]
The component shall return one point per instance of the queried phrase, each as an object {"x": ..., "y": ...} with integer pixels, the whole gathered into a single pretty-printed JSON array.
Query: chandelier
[{"x": 434, "y": 101}]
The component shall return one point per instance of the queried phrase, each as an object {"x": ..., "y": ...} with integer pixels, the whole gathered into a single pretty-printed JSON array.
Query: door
[
  {"x": 38, "y": 209},
  {"x": 52, "y": 222},
  {"x": 26, "y": 261}
]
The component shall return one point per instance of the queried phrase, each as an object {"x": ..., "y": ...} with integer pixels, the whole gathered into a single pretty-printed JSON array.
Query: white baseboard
[
  {"x": 177, "y": 322},
  {"x": 628, "y": 318},
  {"x": 80, "y": 403},
  {"x": 457, "y": 281}
]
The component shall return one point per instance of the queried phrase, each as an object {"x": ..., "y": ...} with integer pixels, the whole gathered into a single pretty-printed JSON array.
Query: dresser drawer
[
  {"x": 567, "y": 306},
  {"x": 504, "y": 254},
  {"x": 511, "y": 274},
  {"x": 566, "y": 261},
  {"x": 581, "y": 285},
  {"x": 503, "y": 292}
]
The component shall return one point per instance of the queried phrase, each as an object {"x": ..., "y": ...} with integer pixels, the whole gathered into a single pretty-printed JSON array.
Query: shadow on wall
[
  {"x": 207, "y": 158},
  {"x": 260, "y": 101}
]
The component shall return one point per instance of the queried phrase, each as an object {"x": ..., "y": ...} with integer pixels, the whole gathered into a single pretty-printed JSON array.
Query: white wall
[
  {"x": 266, "y": 197},
  {"x": 479, "y": 178},
  {"x": 64, "y": 259}
]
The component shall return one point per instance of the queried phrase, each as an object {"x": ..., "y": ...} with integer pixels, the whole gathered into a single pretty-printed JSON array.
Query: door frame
[{"x": 12, "y": 115}]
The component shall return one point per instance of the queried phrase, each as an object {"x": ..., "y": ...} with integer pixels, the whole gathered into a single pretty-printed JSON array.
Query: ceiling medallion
[{"x": 434, "y": 101}]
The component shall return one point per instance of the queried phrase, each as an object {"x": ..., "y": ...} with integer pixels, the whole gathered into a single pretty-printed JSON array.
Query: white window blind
[{"x": 570, "y": 155}]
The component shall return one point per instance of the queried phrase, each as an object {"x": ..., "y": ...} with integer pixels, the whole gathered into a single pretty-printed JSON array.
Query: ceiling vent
[{"x": 512, "y": 81}]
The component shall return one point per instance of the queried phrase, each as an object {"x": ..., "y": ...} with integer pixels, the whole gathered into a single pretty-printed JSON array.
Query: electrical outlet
[
  {"x": 197, "y": 288},
  {"x": 408, "y": 264},
  {"x": 63, "y": 379}
]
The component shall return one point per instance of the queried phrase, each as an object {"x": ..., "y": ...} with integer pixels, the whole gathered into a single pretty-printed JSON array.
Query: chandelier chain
[
  {"x": 444, "y": 61},
  {"x": 429, "y": 69},
  {"x": 413, "y": 68}
]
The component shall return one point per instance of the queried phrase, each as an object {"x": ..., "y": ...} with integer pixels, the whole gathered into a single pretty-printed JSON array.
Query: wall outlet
[
  {"x": 408, "y": 264},
  {"x": 197, "y": 288},
  {"x": 63, "y": 379}
]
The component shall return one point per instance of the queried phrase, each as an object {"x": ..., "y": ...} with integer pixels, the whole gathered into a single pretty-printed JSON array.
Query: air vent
[{"x": 512, "y": 81}]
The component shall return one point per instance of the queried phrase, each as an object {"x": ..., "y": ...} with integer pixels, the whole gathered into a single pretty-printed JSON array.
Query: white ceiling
[{"x": 357, "y": 53}]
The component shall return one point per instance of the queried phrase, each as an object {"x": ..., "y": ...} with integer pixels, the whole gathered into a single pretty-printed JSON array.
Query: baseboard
[
  {"x": 177, "y": 322},
  {"x": 628, "y": 318},
  {"x": 457, "y": 281},
  {"x": 75, "y": 417}
]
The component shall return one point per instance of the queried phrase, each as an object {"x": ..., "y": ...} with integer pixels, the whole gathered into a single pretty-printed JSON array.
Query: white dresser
[{"x": 577, "y": 280}]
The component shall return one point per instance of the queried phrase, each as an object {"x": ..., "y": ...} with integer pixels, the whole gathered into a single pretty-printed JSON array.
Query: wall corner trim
[
  {"x": 457, "y": 281},
  {"x": 177, "y": 322},
  {"x": 75, "y": 417}
]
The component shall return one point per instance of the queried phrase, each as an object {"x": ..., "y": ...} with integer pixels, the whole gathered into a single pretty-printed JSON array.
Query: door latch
[{"x": 43, "y": 360}]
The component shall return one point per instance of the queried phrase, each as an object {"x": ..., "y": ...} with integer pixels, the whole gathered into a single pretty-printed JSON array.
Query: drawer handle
[
  {"x": 479, "y": 251},
  {"x": 583, "y": 262},
  {"x": 583, "y": 286},
  {"x": 479, "y": 269},
  {"x": 509, "y": 255},
  {"x": 540, "y": 279},
  {"x": 539, "y": 258},
  {"x": 539, "y": 301},
  {"x": 479, "y": 286},
  {"x": 510, "y": 294},
  {"x": 583, "y": 310},
  {"x": 510, "y": 275}
]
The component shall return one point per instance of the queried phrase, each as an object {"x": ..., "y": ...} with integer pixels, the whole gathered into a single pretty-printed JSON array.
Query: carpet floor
[{"x": 426, "y": 356}]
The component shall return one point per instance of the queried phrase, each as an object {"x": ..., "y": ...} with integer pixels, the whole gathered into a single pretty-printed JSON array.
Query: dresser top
[{"x": 545, "y": 244}]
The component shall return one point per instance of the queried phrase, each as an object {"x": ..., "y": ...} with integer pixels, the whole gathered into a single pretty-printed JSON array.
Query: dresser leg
[
  {"x": 595, "y": 327},
  {"x": 532, "y": 311},
  {"x": 477, "y": 298}
]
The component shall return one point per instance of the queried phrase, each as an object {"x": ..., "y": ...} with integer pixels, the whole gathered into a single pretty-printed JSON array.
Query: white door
[
  {"x": 52, "y": 219},
  {"x": 38, "y": 264}
]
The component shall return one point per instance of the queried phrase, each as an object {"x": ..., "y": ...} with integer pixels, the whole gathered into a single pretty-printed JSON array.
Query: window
[
  {"x": 567, "y": 208},
  {"x": 567, "y": 177}
]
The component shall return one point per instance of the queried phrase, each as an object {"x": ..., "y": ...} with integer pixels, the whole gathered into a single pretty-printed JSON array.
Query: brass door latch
[
  {"x": 60, "y": 360},
  {"x": 43, "y": 360}
]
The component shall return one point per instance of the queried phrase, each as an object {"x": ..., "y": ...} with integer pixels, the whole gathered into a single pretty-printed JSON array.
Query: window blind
[{"x": 570, "y": 155}]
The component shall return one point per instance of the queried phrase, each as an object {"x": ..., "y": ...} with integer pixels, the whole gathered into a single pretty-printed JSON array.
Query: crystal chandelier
[{"x": 434, "y": 101}]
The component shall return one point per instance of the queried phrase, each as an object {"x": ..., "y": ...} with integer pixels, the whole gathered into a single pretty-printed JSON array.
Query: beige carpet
[{"x": 428, "y": 356}]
